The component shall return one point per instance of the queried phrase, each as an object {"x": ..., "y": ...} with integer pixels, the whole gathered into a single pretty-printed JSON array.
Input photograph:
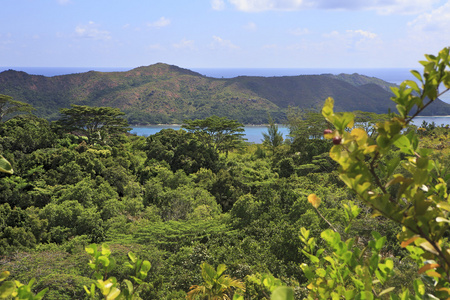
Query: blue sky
[{"x": 222, "y": 33}]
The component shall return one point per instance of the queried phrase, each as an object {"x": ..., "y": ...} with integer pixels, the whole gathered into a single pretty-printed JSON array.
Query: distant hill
[{"x": 164, "y": 93}]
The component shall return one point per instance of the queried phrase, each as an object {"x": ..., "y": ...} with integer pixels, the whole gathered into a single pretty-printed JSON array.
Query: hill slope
[{"x": 163, "y": 93}]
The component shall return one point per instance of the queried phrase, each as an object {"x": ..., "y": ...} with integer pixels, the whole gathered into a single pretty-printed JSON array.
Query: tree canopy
[
  {"x": 219, "y": 132},
  {"x": 9, "y": 106},
  {"x": 97, "y": 123}
]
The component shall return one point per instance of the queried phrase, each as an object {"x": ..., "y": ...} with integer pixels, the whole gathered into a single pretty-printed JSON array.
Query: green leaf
[
  {"x": 5, "y": 166},
  {"x": 4, "y": 275},
  {"x": 305, "y": 232},
  {"x": 113, "y": 294},
  {"x": 105, "y": 250},
  {"x": 146, "y": 265},
  {"x": 220, "y": 269},
  {"x": 419, "y": 287},
  {"x": 104, "y": 260},
  {"x": 129, "y": 286},
  {"x": 132, "y": 256},
  {"x": 41, "y": 294},
  {"x": 307, "y": 270},
  {"x": 6, "y": 289},
  {"x": 91, "y": 249},
  {"x": 417, "y": 75},
  {"x": 321, "y": 272},
  {"x": 282, "y": 293},
  {"x": 404, "y": 144},
  {"x": 128, "y": 265}
]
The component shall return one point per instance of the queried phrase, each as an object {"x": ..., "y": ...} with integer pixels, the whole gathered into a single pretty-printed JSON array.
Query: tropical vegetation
[{"x": 360, "y": 212}]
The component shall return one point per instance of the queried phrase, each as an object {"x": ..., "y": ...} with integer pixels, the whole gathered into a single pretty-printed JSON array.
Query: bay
[{"x": 254, "y": 133}]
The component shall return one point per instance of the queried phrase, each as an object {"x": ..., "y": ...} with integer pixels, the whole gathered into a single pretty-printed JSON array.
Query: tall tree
[
  {"x": 220, "y": 133},
  {"x": 97, "y": 123},
  {"x": 273, "y": 137},
  {"x": 9, "y": 106}
]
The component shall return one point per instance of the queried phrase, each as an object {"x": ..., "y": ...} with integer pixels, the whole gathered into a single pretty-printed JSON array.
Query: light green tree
[
  {"x": 273, "y": 138},
  {"x": 216, "y": 285}
]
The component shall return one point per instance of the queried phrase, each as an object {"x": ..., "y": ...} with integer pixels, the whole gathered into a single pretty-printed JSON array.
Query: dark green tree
[
  {"x": 97, "y": 123},
  {"x": 220, "y": 133},
  {"x": 9, "y": 106},
  {"x": 181, "y": 150}
]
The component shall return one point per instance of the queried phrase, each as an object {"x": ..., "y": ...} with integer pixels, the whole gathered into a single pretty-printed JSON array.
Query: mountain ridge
[{"x": 163, "y": 93}]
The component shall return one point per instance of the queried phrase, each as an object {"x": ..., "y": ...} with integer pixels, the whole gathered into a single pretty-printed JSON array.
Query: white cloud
[
  {"x": 366, "y": 34},
  {"x": 92, "y": 31},
  {"x": 220, "y": 43},
  {"x": 161, "y": 22},
  {"x": 217, "y": 4},
  {"x": 184, "y": 44},
  {"x": 428, "y": 32},
  {"x": 354, "y": 40},
  {"x": 381, "y": 6},
  {"x": 436, "y": 21},
  {"x": 250, "y": 26},
  {"x": 300, "y": 31}
]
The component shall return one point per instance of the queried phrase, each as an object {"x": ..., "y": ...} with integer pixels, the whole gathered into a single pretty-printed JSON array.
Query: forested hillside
[{"x": 163, "y": 93}]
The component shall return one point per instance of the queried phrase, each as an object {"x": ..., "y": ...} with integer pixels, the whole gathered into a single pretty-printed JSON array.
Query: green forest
[{"x": 348, "y": 206}]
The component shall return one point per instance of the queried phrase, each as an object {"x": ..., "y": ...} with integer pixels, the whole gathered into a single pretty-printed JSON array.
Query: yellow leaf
[
  {"x": 406, "y": 243},
  {"x": 359, "y": 133},
  {"x": 370, "y": 149},
  {"x": 428, "y": 267},
  {"x": 314, "y": 200},
  {"x": 444, "y": 205},
  {"x": 444, "y": 290},
  {"x": 429, "y": 247},
  {"x": 434, "y": 274},
  {"x": 327, "y": 110}
]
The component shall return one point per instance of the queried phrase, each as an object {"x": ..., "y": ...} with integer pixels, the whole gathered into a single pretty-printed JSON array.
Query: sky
[{"x": 222, "y": 33}]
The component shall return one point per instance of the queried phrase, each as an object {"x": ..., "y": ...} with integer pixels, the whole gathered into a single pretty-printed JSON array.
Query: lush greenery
[
  {"x": 178, "y": 218},
  {"x": 167, "y": 94}
]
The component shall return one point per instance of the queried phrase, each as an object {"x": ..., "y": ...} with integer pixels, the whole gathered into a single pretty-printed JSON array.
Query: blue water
[
  {"x": 49, "y": 72},
  {"x": 393, "y": 75},
  {"x": 253, "y": 134}
]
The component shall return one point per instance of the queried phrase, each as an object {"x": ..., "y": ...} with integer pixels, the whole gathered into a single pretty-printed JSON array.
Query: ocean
[{"x": 393, "y": 75}]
